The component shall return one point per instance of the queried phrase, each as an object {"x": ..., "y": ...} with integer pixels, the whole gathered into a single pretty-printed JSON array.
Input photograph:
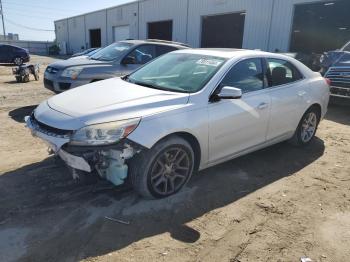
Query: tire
[
  {"x": 36, "y": 77},
  {"x": 18, "y": 79},
  {"x": 309, "y": 121},
  {"x": 163, "y": 170},
  {"x": 18, "y": 61},
  {"x": 26, "y": 79}
]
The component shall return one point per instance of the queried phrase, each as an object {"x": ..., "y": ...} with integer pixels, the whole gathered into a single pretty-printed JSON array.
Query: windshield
[
  {"x": 178, "y": 72},
  {"x": 347, "y": 47},
  {"x": 111, "y": 52}
]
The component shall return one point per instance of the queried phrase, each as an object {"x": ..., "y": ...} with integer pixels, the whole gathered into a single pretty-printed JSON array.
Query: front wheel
[
  {"x": 18, "y": 61},
  {"x": 164, "y": 169},
  {"x": 307, "y": 127}
]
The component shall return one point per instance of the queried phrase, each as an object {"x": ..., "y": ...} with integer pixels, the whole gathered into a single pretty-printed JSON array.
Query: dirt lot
[{"x": 278, "y": 204}]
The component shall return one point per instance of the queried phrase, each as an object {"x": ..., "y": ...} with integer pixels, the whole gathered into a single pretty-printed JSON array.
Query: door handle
[
  {"x": 263, "y": 106},
  {"x": 301, "y": 93}
]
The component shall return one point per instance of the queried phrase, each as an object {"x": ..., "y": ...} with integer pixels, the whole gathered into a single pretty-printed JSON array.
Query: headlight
[
  {"x": 322, "y": 58},
  {"x": 72, "y": 72},
  {"x": 104, "y": 134}
]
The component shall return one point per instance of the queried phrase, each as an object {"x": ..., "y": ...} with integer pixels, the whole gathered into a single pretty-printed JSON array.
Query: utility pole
[{"x": 2, "y": 17}]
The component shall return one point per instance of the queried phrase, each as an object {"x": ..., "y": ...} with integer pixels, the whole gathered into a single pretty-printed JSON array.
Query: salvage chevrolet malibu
[{"x": 183, "y": 112}]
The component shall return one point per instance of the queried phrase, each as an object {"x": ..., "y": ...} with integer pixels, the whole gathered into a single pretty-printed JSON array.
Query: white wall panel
[
  {"x": 160, "y": 10},
  {"x": 268, "y": 23},
  {"x": 76, "y": 34},
  {"x": 125, "y": 15},
  {"x": 96, "y": 20},
  {"x": 257, "y": 21},
  {"x": 282, "y": 22}
]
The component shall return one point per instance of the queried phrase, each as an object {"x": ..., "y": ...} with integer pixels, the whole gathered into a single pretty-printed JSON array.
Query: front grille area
[
  {"x": 340, "y": 80},
  {"x": 64, "y": 86},
  {"x": 51, "y": 70},
  {"x": 48, "y": 84},
  {"x": 48, "y": 130}
]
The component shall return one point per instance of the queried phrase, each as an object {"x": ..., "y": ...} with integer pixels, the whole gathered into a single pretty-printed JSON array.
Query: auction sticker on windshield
[{"x": 209, "y": 62}]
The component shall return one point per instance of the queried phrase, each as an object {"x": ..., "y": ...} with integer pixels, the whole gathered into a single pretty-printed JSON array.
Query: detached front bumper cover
[{"x": 55, "y": 143}]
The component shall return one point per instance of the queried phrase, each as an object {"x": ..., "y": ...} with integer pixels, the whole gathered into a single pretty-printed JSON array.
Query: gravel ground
[{"x": 279, "y": 204}]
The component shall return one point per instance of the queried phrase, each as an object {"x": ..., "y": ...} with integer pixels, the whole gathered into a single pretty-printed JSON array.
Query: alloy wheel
[
  {"x": 309, "y": 126},
  {"x": 170, "y": 171},
  {"x": 18, "y": 61}
]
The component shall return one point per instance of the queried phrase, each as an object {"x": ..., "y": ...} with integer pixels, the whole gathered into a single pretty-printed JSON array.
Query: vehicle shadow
[
  {"x": 60, "y": 213},
  {"x": 339, "y": 113},
  {"x": 18, "y": 114}
]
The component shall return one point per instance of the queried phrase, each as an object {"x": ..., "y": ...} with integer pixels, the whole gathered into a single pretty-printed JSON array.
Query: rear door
[
  {"x": 287, "y": 90},
  {"x": 240, "y": 124}
]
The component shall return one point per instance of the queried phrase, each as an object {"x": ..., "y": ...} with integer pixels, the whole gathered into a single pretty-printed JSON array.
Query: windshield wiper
[{"x": 147, "y": 85}]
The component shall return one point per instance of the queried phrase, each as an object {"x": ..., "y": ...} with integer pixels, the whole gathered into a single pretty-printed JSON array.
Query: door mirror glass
[
  {"x": 129, "y": 60},
  {"x": 228, "y": 92}
]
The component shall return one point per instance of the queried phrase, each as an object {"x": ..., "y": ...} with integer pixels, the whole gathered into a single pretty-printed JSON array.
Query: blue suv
[{"x": 10, "y": 54}]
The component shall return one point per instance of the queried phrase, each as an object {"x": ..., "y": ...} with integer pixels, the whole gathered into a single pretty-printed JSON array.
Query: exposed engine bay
[{"x": 109, "y": 162}]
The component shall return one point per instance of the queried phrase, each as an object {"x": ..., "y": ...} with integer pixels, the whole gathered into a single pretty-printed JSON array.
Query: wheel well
[
  {"x": 318, "y": 108},
  {"x": 95, "y": 80},
  {"x": 192, "y": 140}
]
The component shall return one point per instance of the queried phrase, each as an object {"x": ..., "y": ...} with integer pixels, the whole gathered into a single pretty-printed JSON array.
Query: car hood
[
  {"x": 115, "y": 99},
  {"x": 344, "y": 60},
  {"x": 77, "y": 62},
  {"x": 336, "y": 58}
]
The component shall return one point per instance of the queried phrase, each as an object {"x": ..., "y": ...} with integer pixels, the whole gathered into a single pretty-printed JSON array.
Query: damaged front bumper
[{"x": 108, "y": 161}]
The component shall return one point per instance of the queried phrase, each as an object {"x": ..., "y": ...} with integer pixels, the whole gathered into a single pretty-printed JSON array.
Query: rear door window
[
  {"x": 163, "y": 49},
  {"x": 282, "y": 72}
]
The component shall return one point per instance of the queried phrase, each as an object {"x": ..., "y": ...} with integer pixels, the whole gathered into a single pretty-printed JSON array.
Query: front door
[
  {"x": 140, "y": 56},
  {"x": 239, "y": 124}
]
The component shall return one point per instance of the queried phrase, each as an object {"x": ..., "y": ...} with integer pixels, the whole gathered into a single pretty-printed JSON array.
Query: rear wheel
[
  {"x": 164, "y": 169},
  {"x": 307, "y": 127}
]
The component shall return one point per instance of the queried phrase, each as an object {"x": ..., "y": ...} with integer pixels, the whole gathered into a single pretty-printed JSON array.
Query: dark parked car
[
  {"x": 332, "y": 58},
  {"x": 115, "y": 60},
  {"x": 10, "y": 54}
]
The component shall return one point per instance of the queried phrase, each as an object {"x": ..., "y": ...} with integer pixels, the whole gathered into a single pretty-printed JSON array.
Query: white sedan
[{"x": 183, "y": 112}]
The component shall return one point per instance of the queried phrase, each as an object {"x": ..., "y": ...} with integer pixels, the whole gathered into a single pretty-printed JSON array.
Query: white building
[{"x": 285, "y": 25}]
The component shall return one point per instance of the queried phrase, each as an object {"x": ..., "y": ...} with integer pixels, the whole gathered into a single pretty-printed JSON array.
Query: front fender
[{"x": 193, "y": 122}]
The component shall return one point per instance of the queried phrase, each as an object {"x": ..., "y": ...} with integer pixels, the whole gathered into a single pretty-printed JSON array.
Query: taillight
[{"x": 328, "y": 81}]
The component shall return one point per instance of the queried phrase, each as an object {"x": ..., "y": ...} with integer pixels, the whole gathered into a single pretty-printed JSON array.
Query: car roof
[
  {"x": 224, "y": 52},
  {"x": 229, "y": 53},
  {"x": 156, "y": 41}
]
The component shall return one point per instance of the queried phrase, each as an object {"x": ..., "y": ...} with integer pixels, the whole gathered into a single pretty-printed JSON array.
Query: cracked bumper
[{"x": 55, "y": 144}]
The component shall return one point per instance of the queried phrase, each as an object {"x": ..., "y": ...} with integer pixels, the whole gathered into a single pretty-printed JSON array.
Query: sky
[{"x": 23, "y": 16}]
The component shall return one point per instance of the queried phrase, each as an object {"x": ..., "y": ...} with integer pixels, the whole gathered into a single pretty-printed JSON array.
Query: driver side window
[
  {"x": 143, "y": 54},
  {"x": 248, "y": 75}
]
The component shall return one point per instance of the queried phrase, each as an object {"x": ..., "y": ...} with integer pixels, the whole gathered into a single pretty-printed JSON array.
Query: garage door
[
  {"x": 223, "y": 30},
  {"x": 162, "y": 30},
  {"x": 319, "y": 27},
  {"x": 121, "y": 33}
]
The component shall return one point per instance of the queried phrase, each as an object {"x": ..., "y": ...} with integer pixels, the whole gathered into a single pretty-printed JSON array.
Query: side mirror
[
  {"x": 228, "y": 92},
  {"x": 129, "y": 60}
]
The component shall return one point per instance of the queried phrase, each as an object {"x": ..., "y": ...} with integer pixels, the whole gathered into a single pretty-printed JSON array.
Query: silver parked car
[
  {"x": 185, "y": 111},
  {"x": 114, "y": 60}
]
